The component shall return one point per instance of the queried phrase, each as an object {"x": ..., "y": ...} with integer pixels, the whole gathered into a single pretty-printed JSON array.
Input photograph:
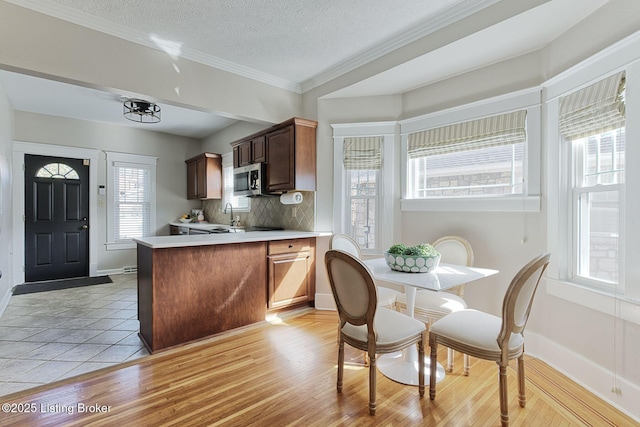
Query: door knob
[{"x": 85, "y": 226}]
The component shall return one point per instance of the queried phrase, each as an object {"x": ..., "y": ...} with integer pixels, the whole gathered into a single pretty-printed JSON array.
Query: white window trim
[
  {"x": 388, "y": 131},
  {"x": 528, "y": 99},
  {"x": 134, "y": 159},
  {"x": 621, "y": 304}
]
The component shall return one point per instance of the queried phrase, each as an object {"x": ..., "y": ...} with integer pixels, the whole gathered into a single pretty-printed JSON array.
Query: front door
[{"x": 56, "y": 218}]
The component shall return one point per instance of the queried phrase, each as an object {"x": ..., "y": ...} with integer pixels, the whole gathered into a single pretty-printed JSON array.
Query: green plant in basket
[
  {"x": 423, "y": 249},
  {"x": 421, "y": 258},
  {"x": 397, "y": 249}
]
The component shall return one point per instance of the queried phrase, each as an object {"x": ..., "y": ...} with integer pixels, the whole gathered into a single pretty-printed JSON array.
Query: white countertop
[{"x": 179, "y": 241}]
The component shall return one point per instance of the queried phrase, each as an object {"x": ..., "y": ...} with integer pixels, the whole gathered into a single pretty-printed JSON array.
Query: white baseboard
[
  {"x": 578, "y": 368},
  {"x": 597, "y": 379},
  {"x": 109, "y": 272},
  {"x": 4, "y": 302}
]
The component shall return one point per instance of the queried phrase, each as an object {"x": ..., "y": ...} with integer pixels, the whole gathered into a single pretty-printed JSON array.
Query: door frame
[{"x": 20, "y": 149}]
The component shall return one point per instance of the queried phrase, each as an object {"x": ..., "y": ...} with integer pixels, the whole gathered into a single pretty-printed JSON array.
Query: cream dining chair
[
  {"x": 431, "y": 306},
  {"x": 386, "y": 297},
  {"x": 365, "y": 325},
  {"x": 490, "y": 337}
]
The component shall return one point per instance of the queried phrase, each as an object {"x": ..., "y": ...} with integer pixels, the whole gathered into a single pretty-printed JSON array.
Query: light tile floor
[{"x": 53, "y": 335}]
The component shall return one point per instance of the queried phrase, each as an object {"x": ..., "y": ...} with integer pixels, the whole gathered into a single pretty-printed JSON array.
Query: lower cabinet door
[{"x": 289, "y": 279}]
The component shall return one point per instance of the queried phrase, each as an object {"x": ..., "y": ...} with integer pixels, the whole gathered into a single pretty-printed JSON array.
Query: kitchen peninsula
[{"x": 194, "y": 286}]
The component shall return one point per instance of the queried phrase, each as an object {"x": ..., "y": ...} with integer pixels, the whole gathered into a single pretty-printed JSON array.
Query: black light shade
[{"x": 141, "y": 111}]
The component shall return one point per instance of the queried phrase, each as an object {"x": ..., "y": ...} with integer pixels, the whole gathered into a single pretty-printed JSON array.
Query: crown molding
[
  {"x": 104, "y": 26},
  {"x": 401, "y": 39},
  {"x": 605, "y": 62}
]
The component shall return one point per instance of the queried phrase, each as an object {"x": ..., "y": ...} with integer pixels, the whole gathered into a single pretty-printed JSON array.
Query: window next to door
[{"x": 131, "y": 198}]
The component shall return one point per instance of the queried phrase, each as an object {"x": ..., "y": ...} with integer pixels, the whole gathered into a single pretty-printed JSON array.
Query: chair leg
[
  {"x": 450, "y": 356},
  {"x": 522, "y": 399},
  {"x": 340, "y": 365},
  {"x": 421, "y": 367},
  {"x": 504, "y": 397},
  {"x": 467, "y": 364},
  {"x": 434, "y": 362},
  {"x": 372, "y": 384}
]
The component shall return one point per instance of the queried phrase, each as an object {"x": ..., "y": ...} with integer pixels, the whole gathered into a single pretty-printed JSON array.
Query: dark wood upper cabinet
[
  {"x": 249, "y": 151},
  {"x": 281, "y": 154},
  {"x": 258, "y": 150},
  {"x": 204, "y": 176},
  {"x": 289, "y": 151}
]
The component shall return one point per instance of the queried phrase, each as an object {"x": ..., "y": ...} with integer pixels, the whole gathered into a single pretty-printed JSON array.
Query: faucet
[{"x": 228, "y": 205}]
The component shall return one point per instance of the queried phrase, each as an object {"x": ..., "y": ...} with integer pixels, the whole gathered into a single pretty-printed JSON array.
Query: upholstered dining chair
[
  {"x": 491, "y": 337},
  {"x": 387, "y": 297},
  {"x": 365, "y": 325},
  {"x": 431, "y": 306}
]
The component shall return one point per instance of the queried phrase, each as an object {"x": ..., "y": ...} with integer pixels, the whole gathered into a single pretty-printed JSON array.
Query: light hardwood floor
[{"x": 284, "y": 374}]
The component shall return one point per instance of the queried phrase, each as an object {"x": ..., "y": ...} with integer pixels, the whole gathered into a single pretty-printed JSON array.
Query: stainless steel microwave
[{"x": 250, "y": 180}]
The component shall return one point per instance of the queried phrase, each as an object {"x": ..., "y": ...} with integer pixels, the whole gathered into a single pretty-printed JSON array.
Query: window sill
[
  {"x": 474, "y": 204},
  {"x": 604, "y": 302}
]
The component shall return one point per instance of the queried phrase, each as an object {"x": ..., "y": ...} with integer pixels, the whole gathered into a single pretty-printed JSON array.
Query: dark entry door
[{"x": 56, "y": 218}]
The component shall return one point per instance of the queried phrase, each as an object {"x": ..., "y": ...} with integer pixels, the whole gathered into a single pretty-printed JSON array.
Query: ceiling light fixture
[{"x": 141, "y": 111}]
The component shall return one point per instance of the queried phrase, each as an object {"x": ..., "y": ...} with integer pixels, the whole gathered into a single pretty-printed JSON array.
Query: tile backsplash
[{"x": 267, "y": 211}]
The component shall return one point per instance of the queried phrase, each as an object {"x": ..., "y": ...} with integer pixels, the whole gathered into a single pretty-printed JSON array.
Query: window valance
[
  {"x": 486, "y": 132},
  {"x": 362, "y": 153},
  {"x": 595, "y": 109}
]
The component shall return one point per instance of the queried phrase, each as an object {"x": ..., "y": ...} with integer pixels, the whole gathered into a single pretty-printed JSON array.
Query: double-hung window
[
  {"x": 363, "y": 179},
  {"x": 362, "y": 160},
  {"x": 131, "y": 199},
  {"x": 592, "y": 122},
  {"x": 239, "y": 203},
  {"x": 479, "y": 157},
  {"x": 474, "y": 158}
]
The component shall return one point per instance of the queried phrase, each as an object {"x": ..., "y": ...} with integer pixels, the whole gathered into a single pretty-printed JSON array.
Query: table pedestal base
[{"x": 402, "y": 367}]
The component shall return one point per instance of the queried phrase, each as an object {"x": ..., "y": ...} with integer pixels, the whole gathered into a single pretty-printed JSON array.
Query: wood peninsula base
[
  {"x": 192, "y": 287},
  {"x": 188, "y": 293}
]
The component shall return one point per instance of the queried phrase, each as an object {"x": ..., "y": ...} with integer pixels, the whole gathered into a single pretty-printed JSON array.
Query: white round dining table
[{"x": 403, "y": 365}]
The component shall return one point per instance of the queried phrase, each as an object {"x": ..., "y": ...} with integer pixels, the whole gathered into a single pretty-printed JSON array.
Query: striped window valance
[
  {"x": 486, "y": 132},
  {"x": 595, "y": 109},
  {"x": 362, "y": 153}
]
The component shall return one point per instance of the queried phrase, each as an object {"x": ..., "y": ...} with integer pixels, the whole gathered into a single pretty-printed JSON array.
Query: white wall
[
  {"x": 6, "y": 213},
  {"x": 219, "y": 141},
  {"x": 504, "y": 77},
  {"x": 331, "y": 111},
  {"x": 171, "y": 176}
]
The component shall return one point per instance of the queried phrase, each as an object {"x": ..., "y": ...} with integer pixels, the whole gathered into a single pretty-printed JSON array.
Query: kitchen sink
[
  {"x": 262, "y": 228},
  {"x": 220, "y": 230},
  {"x": 213, "y": 229}
]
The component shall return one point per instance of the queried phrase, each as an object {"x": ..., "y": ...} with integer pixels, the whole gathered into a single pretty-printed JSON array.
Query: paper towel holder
[{"x": 294, "y": 198}]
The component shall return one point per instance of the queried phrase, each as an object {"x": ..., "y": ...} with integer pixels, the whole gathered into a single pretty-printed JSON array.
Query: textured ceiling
[
  {"x": 294, "y": 40},
  {"x": 293, "y": 44}
]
